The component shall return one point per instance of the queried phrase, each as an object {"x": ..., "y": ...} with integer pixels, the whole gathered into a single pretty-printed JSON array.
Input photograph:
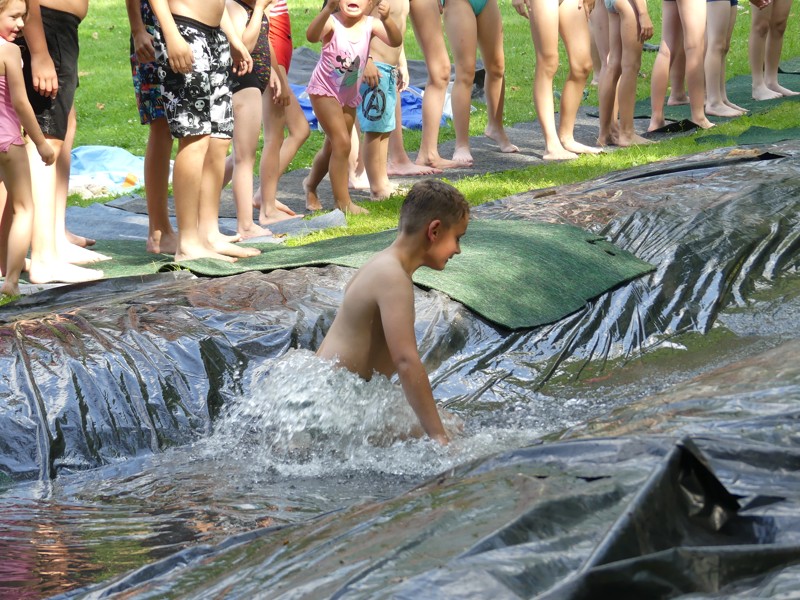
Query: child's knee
[{"x": 547, "y": 64}]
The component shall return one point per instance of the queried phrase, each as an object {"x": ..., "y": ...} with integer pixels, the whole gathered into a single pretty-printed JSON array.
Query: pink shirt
[{"x": 10, "y": 127}]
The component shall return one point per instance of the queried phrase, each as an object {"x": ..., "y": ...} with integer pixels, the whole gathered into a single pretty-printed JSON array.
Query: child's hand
[
  {"x": 372, "y": 77},
  {"x": 383, "y": 10},
  {"x": 645, "y": 27},
  {"x": 402, "y": 78},
  {"x": 521, "y": 6},
  {"x": 143, "y": 48},
  {"x": 47, "y": 153},
  {"x": 587, "y": 5},
  {"x": 242, "y": 61},
  {"x": 181, "y": 59},
  {"x": 331, "y": 6}
]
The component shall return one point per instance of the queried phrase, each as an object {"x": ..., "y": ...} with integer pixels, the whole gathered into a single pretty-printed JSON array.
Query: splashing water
[{"x": 309, "y": 418}]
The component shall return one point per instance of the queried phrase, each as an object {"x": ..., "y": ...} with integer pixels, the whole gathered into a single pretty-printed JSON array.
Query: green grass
[{"x": 107, "y": 111}]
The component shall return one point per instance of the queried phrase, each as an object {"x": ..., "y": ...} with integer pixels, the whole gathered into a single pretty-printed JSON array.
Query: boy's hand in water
[{"x": 452, "y": 423}]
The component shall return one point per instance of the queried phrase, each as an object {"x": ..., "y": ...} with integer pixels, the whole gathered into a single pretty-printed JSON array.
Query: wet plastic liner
[{"x": 665, "y": 411}]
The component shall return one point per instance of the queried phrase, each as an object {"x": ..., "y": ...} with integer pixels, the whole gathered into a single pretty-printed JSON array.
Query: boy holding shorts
[{"x": 195, "y": 47}]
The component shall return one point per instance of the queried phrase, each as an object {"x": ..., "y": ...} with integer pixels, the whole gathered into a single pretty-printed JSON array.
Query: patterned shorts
[
  {"x": 197, "y": 103},
  {"x": 146, "y": 84}
]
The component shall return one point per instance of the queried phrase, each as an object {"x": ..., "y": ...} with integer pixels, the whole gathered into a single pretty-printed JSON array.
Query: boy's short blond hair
[{"x": 431, "y": 199}]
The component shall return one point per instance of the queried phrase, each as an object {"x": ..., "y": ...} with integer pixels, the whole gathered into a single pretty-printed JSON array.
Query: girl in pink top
[
  {"x": 16, "y": 197},
  {"x": 345, "y": 31}
]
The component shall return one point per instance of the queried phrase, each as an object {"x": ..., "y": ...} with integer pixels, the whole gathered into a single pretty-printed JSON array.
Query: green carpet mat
[
  {"x": 754, "y": 135},
  {"x": 515, "y": 273},
  {"x": 739, "y": 92},
  {"x": 791, "y": 65}
]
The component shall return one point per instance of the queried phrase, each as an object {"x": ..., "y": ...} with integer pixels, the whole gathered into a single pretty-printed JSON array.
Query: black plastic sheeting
[{"x": 114, "y": 370}]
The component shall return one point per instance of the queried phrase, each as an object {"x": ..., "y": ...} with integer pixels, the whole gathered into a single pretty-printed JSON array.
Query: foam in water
[{"x": 308, "y": 418}]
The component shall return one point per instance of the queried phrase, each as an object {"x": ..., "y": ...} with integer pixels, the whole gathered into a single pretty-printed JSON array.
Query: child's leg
[
  {"x": 462, "y": 32},
  {"x": 734, "y": 10},
  {"x": 631, "y": 63},
  {"x": 319, "y": 168},
  {"x": 337, "y": 122},
  {"x": 490, "y": 41},
  {"x": 544, "y": 22},
  {"x": 246, "y": 127},
  {"x": 574, "y": 30},
  {"x": 427, "y": 23},
  {"x": 598, "y": 26},
  {"x": 774, "y": 46},
  {"x": 717, "y": 28},
  {"x": 677, "y": 71},
  {"x": 659, "y": 78},
  {"x": 208, "y": 214},
  {"x": 375, "y": 153},
  {"x": 607, "y": 91},
  {"x": 160, "y": 237},
  {"x": 273, "y": 117},
  {"x": 17, "y": 216},
  {"x": 757, "y": 44},
  {"x": 398, "y": 161},
  {"x": 356, "y": 173},
  {"x": 75, "y": 253},
  {"x": 693, "y": 21},
  {"x": 46, "y": 264}
]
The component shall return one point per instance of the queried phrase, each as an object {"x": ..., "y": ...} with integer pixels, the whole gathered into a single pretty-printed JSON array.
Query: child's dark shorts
[
  {"x": 197, "y": 103},
  {"x": 61, "y": 34},
  {"x": 146, "y": 84}
]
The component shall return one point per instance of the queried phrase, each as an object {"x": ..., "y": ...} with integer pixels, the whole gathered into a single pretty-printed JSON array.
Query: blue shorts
[
  {"x": 376, "y": 111},
  {"x": 610, "y": 6}
]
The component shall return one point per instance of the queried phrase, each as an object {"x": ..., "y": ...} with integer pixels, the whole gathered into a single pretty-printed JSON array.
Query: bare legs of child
[
  {"x": 466, "y": 33},
  {"x": 766, "y": 42},
  {"x": 333, "y": 158},
  {"x": 399, "y": 164},
  {"x": 548, "y": 20},
  {"x": 160, "y": 237},
  {"x": 427, "y": 23},
  {"x": 16, "y": 216},
  {"x": 719, "y": 26}
]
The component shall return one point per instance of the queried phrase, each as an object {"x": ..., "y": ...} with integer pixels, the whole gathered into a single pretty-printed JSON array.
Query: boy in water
[{"x": 374, "y": 328}]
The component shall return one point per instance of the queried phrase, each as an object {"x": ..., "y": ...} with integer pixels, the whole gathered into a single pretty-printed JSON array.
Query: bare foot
[
  {"x": 607, "y": 139},
  {"x": 353, "y": 209},
  {"x": 62, "y": 273},
  {"x": 578, "y": 148},
  {"x": 437, "y": 162},
  {"x": 10, "y": 289},
  {"x": 358, "y": 181},
  {"x": 192, "y": 252},
  {"x": 462, "y": 156},
  {"x": 501, "y": 138},
  {"x": 775, "y": 87},
  {"x": 656, "y": 123},
  {"x": 410, "y": 169},
  {"x": 635, "y": 139},
  {"x": 703, "y": 123},
  {"x": 159, "y": 243},
  {"x": 744, "y": 111},
  {"x": 722, "y": 110},
  {"x": 383, "y": 194},
  {"x": 677, "y": 100},
  {"x": 764, "y": 93},
  {"x": 270, "y": 216},
  {"x": 559, "y": 154},
  {"x": 228, "y": 249},
  {"x": 79, "y": 240},
  {"x": 312, "y": 200},
  {"x": 253, "y": 231},
  {"x": 78, "y": 255}
]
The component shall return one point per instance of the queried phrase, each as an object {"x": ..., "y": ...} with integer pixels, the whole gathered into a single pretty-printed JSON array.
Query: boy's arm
[
  {"x": 179, "y": 52},
  {"x": 402, "y": 71},
  {"x": 396, "y": 304},
  {"x": 387, "y": 30},
  {"x": 142, "y": 40},
  {"x": 45, "y": 78},
  {"x": 318, "y": 27},
  {"x": 242, "y": 61},
  {"x": 252, "y": 30}
]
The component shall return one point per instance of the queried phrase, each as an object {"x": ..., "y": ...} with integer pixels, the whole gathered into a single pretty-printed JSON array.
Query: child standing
[
  {"x": 471, "y": 25},
  {"x": 334, "y": 87},
  {"x": 16, "y": 222},
  {"x": 766, "y": 42},
  {"x": 629, "y": 26},
  {"x": 570, "y": 19},
  {"x": 719, "y": 29},
  {"x": 195, "y": 48},
  {"x": 147, "y": 87}
]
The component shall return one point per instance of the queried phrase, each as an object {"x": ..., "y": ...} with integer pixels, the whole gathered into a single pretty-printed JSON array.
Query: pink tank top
[
  {"x": 10, "y": 127},
  {"x": 341, "y": 65}
]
